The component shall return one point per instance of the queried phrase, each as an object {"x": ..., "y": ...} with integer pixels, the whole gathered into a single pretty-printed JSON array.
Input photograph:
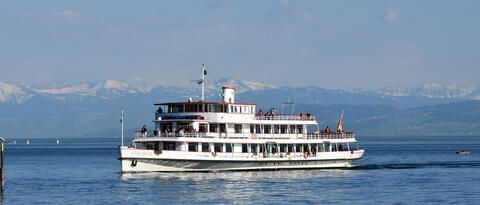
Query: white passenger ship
[{"x": 228, "y": 136}]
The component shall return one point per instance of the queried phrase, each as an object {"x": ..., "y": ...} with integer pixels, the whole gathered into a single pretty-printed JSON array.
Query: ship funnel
[{"x": 228, "y": 94}]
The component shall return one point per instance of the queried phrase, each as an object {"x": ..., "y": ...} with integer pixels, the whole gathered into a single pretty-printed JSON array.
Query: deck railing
[
  {"x": 286, "y": 117},
  {"x": 344, "y": 135}
]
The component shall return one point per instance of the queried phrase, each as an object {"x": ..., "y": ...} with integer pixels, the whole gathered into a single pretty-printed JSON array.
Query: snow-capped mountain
[
  {"x": 76, "y": 109},
  {"x": 241, "y": 86},
  {"x": 20, "y": 93},
  {"x": 13, "y": 93},
  {"x": 61, "y": 90},
  {"x": 434, "y": 90}
]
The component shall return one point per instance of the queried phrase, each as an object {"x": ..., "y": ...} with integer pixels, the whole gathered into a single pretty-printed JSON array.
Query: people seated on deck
[
  {"x": 327, "y": 130},
  {"x": 144, "y": 130}
]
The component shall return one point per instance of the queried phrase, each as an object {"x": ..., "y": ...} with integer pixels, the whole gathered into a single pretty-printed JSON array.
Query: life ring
[
  {"x": 254, "y": 136},
  {"x": 134, "y": 163},
  {"x": 305, "y": 155}
]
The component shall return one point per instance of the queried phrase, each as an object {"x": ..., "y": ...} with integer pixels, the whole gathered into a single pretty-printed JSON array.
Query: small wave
[{"x": 451, "y": 164}]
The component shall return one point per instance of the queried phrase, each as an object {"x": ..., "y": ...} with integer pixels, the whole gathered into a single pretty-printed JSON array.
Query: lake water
[{"x": 407, "y": 170}]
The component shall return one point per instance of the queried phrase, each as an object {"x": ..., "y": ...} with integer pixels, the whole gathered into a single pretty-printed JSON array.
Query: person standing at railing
[
  {"x": 144, "y": 131},
  {"x": 261, "y": 114},
  {"x": 273, "y": 111},
  {"x": 327, "y": 130}
]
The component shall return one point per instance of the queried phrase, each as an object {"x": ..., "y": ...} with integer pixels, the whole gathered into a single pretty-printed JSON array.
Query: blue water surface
[{"x": 401, "y": 170}]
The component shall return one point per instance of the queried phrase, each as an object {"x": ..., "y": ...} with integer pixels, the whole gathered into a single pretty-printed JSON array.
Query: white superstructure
[{"x": 226, "y": 135}]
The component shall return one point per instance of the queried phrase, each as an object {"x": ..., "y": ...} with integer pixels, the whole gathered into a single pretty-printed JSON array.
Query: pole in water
[
  {"x": 2, "y": 169},
  {"x": 121, "y": 122}
]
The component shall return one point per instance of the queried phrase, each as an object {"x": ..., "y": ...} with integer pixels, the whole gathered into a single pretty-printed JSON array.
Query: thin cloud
[
  {"x": 391, "y": 14},
  {"x": 65, "y": 14},
  {"x": 296, "y": 11}
]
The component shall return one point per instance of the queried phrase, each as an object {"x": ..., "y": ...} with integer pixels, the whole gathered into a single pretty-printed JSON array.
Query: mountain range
[{"x": 92, "y": 109}]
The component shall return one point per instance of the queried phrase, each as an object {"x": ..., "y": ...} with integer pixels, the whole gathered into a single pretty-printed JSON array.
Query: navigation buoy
[
  {"x": 58, "y": 141},
  {"x": 14, "y": 141},
  {"x": 28, "y": 141}
]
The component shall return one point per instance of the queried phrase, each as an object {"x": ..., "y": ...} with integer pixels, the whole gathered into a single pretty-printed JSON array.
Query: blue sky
[{"x": 335, "y": 44}]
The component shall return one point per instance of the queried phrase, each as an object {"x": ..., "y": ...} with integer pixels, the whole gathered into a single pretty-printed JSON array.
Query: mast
[
  {"x": 202, "y": 83},
  {"x": 121, "y": 122}
]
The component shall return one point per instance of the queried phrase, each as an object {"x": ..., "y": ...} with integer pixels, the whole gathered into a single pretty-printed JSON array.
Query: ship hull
[{"x": 145, "y": 163}]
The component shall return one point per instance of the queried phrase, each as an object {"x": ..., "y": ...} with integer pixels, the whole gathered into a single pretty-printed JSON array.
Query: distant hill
[
  {"x": 452, "y": 119},
  {"x": 86, "y": 109}
]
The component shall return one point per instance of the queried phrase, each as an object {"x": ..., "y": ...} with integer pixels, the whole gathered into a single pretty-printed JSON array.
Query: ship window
[
  {"x": 169, "y": 146},
  {"x": 244, "y": 148},
  {"x": 298, "y": 148},
  {"x": 223, "y": 128},
  {"x": 313, "y": 147},
  {"x": 290, "y": 148},
  {"x": 283, "y": 147},
  {"x": 213, "y": 128},
  {"x": 190, "y": 107},
  {"x": 292, "y": 129},
  {"x": 205, "y": 147},
  {"x": 253, "y": 148},
  {"x": 276, "y": 129},
  {"x": 257, "y": 129},
  {"x": 231, "y": 109},
  {"x": 305, "y": 148},
  {"x": 218, "y": 147},
  {"x": 202, "y": 127},
  {"x": 216, "y": 108},
  {"x": 267, "y": 129},
  {"x": 228, "y": 147},
  {"x": 238, "y": 128},
  {"x": 252, "y": 128},
  {"x": 283, "y": 129},
  {"x": 150, "y": 146},
  {"x": 300, "y": 129},
  {"x": 192, "y": 147},
  {"x": 177, "y": 108}
]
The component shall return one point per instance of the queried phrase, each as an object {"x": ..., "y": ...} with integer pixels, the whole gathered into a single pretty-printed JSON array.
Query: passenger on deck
[
  {"x": 309, "y": 116},
  {"x": 260, "y": 113},
  {"x": 327, "y": 130},
  {"x": 144, "y": 130},
  {"x": 302, "y": 116},
  {"x": 159, "y": 110},
  {"x": 273, "y": 111}
]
